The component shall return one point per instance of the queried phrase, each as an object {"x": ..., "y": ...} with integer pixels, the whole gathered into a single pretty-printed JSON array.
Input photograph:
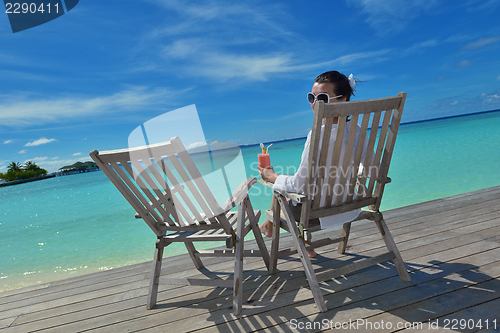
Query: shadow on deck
[{"x": 451, "y": 247}]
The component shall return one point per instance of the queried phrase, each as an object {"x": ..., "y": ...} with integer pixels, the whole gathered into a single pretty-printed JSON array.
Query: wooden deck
[{"x": 451, "y": 247}]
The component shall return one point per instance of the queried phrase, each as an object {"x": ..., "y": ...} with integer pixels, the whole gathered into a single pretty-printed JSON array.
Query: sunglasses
[{"x": 321, "y": 97}]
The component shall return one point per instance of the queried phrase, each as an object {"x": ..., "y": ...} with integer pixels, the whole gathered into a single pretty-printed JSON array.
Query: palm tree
[
  {"x": 30, "y": 165},
  {"x": 14, "y": 166}
]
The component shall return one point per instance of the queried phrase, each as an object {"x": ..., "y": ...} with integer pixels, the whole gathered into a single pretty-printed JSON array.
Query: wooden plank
[
  {"x": 306, "y": 262},
  {"x": 465, "y": 238},
  {"x": 198, "y": 282},
  {"x": 383, "y": 307},
  {"x": 485, "y": 315},
  {"x": 160, "y": 202},
  {"x": 349, "y": 268},
  {"x": 6, "y": 322},
  {"x": 359, "y": 150},
  {"x": 227, "y": 253},
  {"x": 326, "y": 132},
  {"x": 444, "y": 303},
  {"x": 362, "y": 106},
  {"x": 378, "y": 151},
  {"x": 369, "y": 157},
  {"x": 196, "y": 177},
  {"x": 313, "y": 158},
  {"x": 285, "y": 302},
  {"x": 348, "y": 306},
  {"x": 276, "y": 220},
  {"x": 253, "y": 220},
  {"x": 337, "y": 150},
  {"x": 346, "y": 167}
]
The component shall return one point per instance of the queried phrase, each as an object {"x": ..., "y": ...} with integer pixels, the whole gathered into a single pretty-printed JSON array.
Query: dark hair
[{"x": 340, "y": 83}]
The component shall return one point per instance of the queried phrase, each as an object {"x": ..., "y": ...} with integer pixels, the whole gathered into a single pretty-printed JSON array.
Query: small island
[{"x": 17, "y": 173}]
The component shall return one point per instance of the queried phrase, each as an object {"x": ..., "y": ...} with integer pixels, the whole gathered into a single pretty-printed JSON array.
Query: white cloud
[
  {"x": 24, "y": 110},
  {"x": 483, "y": 102},
  {"x": 51, "y": 164},
  {"x": 356, "y": 57},
  {"x": 225, "y": 66},
  {"x": 194, "y": 41},
  {"x": 183, "y": 47},
  {"x": 421, "y": 46},
  {"x": 22, "y": 152},
  {"x": 463, "y": 63},
  {"x": 305, "y": 113},
  {"x": 479, "y": 5},
  {"x": 8, "y": 141},
  {"x": 387, "y": 16},
  {"x": 207, "y": 16},
  {"x": 196, "y": 145},
  {"x": 38, "y": 142},
  {"x": 76, "y": 154},
  {"x": 39, "y": 159},
  {"x": 481, "y": 43},
  {"x": 220, "y": 65},
  {"x": 19, "y": 75}
]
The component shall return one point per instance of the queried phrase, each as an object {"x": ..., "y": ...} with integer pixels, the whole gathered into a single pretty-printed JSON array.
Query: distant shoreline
[{"x": 21, "y": 181}]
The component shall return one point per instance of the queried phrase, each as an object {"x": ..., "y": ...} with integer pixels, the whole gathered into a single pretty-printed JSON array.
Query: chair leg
[
  {"x": 346, "y": 230},
  {"x": 238, "y": 261},
  {"x": 196, "y": 260},
  {"x": 391, "y": 246},
  {"x": 256, "y": 232},
  {"x": 155, "y": 276},
  {"x": 306, "y": 262},
  {"x": 276, "y": 235}
]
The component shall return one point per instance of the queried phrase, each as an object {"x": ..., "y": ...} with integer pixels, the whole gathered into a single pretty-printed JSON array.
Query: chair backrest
[
  {"x": 350, "y": 168},
  {"x": 162, "y": 183}
]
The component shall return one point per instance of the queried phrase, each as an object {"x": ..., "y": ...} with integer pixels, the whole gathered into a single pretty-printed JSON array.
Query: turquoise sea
[{"x": 72, "y": 225}]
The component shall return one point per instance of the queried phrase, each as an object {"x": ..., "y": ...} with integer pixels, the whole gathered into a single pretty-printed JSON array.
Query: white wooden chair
[
  {"x": 354, "y": 145},
  {"x": 166, "y": 189}
]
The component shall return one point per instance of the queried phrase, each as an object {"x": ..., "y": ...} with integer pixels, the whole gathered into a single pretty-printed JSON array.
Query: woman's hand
[{"x": 267, "y": 174}]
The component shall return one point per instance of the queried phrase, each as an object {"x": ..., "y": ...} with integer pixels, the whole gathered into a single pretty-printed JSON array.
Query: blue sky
[{"x": 87, "y": 79}]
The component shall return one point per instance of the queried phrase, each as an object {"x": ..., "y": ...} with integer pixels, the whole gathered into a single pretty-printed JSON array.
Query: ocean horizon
[
  {"x": 402, "y": 124},
  {"x": 77, "y": 224}
]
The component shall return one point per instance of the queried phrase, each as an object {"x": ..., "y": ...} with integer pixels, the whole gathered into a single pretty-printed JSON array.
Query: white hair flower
[{"x": 352, "y": 81}]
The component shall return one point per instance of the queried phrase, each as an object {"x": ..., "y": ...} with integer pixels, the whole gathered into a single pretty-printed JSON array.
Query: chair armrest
[
  {"x": 263, "y": 182},
  {"x": 294, "y": 196},
  {"x": 239, "y": 194}
]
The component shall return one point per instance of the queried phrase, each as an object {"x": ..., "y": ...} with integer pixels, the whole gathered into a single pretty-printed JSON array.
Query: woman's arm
[
  {"x": 295, "y": 183},
  {"x": 268, "y": 174}
]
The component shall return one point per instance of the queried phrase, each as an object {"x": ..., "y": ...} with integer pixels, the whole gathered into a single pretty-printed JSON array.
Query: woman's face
[{"x": 325, "y": 87}]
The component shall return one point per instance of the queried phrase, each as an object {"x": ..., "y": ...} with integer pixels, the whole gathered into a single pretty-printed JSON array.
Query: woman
[{"x": 330, "y": 87}]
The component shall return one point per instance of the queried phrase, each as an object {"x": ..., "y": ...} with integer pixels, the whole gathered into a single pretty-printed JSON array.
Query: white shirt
[{"x": 296, "y": 183}]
